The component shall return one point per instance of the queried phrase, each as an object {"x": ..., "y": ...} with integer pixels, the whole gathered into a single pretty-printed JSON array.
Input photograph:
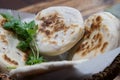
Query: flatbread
[
  {"x": 60, "y": 28},
  {"x": 10, "y": 56},
  {"x": 101, "y": 35}
]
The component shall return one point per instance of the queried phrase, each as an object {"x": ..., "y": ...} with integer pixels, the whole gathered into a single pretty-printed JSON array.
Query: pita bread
[
  {"x": 101, "y": 35},
  {"x": 10, "y": 56},
  {"x": 60, "y": 28}
]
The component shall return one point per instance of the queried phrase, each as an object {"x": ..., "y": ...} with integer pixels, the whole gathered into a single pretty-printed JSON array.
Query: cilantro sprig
[{"x": 26, "y": 33}]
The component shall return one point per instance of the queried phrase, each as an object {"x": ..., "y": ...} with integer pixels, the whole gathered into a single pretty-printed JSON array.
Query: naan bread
[
  {"x": 101, "y": 35},
  {"x": 10, "y": 56},
  {"x": 60, "y": 28}
]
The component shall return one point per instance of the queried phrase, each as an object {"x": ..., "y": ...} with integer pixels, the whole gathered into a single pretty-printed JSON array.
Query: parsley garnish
[{"x": 26, "y": 33}]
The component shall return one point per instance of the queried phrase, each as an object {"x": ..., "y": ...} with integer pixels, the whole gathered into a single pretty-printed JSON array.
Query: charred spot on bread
[
  {"x": 104, "y": 47},
  {"x": 2, "y": 21},
  {"x": 86, "y": 47},
  {"x": 96, "y": 23},
  {"x": 53, "y": 42},
  {"x": 51, "y": 24},
  {"x": 9, "y": 60},
  {"x": 3, "y": 39}
]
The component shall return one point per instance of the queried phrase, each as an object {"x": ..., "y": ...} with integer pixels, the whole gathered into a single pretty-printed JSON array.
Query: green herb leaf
[
  {"x": 7, "y": 16},
  {"x": 25, "y": 32},
  {"x": 33, "y": 60},
  {"x": 30, "y": 25},
  {"x": 22, "y": 45}
]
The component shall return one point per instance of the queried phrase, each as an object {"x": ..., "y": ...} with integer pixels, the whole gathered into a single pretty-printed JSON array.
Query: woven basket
[{"x": 110, "y": 72}]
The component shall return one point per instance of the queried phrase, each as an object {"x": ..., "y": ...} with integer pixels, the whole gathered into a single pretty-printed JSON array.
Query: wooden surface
[{"x": 87, "y": 7}]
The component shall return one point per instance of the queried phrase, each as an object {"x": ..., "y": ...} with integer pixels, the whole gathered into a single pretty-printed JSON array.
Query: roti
[
  {"x": 10, "y": 56},
  {"x": 101, "y": 35},
  {"x": 60, "y": 28}
]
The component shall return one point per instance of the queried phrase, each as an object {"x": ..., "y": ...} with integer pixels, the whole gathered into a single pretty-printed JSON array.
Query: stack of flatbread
[{"x": 59, "y": 29}]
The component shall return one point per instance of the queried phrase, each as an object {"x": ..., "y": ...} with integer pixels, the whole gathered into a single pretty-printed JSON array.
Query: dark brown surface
[{"x": 16, "y": 4}]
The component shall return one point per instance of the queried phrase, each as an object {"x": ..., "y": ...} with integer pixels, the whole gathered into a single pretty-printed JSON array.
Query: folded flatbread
[
  {"x": 101, "y": 35},
  {"x": 60, "y": 28},
  {"x": 10, "y": 56}
]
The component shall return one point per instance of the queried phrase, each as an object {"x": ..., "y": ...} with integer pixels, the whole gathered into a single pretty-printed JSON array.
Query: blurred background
[
  {"x": 36, "y": 5},
  {"x": 87, "y": 7},
  {"x": 16, "y": 4}
]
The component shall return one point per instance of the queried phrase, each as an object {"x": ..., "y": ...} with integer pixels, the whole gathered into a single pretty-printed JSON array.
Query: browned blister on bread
[
  {"x": 101, "y": 35},
  {"x": 59, "y": 29}
]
